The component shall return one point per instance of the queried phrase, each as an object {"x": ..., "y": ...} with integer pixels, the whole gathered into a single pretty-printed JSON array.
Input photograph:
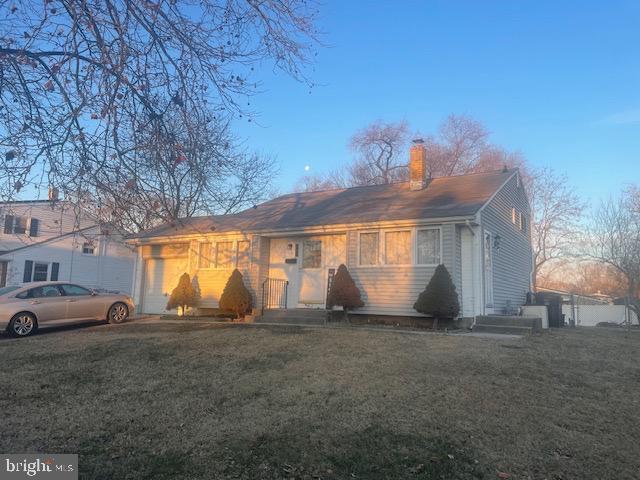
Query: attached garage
[{"x": 161, "y": 274}]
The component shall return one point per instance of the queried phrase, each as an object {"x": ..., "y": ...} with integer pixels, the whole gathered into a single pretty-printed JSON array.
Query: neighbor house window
[
  {"x": 224, "y": 254},
  {"x": 204, "y": 255},
  {"x": 369, "y": 244},
  {"x": 311, "y": 254},
  {"x": 244, "y": 256},
  {"x": 428, "y": 243},
  {"x": 397, "y": 248},
  {"x": 40, "y": 271},
  {"x": 88, "y": 248},
  {"x": 18, "y": 225}
]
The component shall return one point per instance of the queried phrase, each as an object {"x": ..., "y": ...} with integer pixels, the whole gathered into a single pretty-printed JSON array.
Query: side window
[
  {"x": 75, "y": 290},
  {"x": 45, "y": 291},
  {"x": 40, "y": 271},
  {"x": 224, "y": 255},
  {"x": 311, "y": 254},
  {"x": 369, "y": 246},
  {"x": 20, "y": 225}
]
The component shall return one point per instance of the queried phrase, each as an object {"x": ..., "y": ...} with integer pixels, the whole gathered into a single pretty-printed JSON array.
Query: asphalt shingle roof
[{"x": 455, "y": 196}]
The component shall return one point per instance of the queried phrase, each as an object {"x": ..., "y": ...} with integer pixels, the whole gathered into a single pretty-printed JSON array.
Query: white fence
[{"x": 591, "y": 315}]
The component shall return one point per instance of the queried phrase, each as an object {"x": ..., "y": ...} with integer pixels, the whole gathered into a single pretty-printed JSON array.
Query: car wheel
[
  {"x": 22, "y": 325},
  {"x": 118, "y": 313}
]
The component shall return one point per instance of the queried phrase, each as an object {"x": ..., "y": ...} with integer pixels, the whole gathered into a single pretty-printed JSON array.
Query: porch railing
[{"x": 274, "y": 293}]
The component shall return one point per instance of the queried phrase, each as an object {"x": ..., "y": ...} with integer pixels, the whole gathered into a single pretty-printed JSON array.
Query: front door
[
  {"x": 305, "y": 263},
  {"x": 312, "y": 291}
]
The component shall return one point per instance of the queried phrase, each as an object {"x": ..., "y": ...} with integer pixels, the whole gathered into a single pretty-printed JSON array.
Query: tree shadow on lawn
[{"x": 372, "y": 453}]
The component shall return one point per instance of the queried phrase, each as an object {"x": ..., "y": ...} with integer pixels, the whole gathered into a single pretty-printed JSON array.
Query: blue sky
[{"x": 558, "y": 81}]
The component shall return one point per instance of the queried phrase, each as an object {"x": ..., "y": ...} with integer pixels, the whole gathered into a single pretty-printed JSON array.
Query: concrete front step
[
  {"x": 294, "y": 315},
  {"x": 505, "y": 329},
  {"x": 504, "y": 320}
]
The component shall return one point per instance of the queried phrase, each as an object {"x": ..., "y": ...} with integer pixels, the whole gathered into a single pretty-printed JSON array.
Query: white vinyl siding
[
  {"x": 246, "y": 256},
  {"x": 512, "y": 262},
  {"x": 393, "y": 289}
]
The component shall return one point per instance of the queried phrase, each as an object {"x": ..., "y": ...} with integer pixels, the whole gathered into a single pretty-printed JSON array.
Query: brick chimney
[
  {"x": 417, "y": 165},
  {"x": 53, "y": 194}
]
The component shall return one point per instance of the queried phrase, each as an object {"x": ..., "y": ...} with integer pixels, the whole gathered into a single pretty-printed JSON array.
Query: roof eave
[{"x": 333, "y": 228}]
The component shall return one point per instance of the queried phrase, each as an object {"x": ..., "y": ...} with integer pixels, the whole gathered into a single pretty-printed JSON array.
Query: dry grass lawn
[{"x": 197, "y": 401}]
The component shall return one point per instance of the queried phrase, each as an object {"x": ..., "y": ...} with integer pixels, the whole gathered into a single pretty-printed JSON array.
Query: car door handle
[
  {"x": 70, "y": 300},
  {"x": 35, "y": 302}
]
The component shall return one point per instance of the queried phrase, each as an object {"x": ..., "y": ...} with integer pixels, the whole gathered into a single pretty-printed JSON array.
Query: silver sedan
[{"x": 39, "y": 304}]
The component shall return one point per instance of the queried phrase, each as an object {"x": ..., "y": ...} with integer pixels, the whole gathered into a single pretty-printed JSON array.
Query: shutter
[
  {"x": 33, "y": 227},
  {"x": 55, "y": 267},
  {"x": 28, "y": 269},
  {"x": 8, "y": 224}
]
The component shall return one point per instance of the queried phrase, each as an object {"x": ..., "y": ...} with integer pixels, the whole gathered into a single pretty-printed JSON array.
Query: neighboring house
[
  {"x": 46, "y": 240},
  {"x": 391, "y": 238}
]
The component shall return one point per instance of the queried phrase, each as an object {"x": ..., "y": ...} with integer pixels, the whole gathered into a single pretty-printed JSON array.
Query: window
[
  {"x": 204, "y": 256},
  {"x": 523, "y": 222},
  {"x": 37, "y": 271},
  {"x": 311, "y": 254},
  {"x": 40, "y": 271},
  {"x": 224, "y": 254},
  {"x": 428, "y": 243},
  {"x": 514, "y": 216},
  {"x": 40, "y": 292},
  {"x": 45, "y": 291},
  {"x": 369, "y": 244},
  {"x": 88, "y": 248},
  {"x": 397, "y": 248},
  {"x": 244, "y": 255},
  {"x": 75, "y": 290},
  {"x": 19, "y": 225},
  {"x": 5, "y": 290}
]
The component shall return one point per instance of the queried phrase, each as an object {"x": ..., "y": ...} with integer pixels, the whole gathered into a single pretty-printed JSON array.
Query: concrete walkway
[{"x": 156, "y": 319}]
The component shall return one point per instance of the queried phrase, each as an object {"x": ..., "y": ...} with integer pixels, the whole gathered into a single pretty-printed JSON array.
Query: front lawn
[{"x": 201, "y": 401}]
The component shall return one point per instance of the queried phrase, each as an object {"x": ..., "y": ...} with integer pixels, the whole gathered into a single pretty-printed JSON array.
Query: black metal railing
[{"x": 274, "y": 293}]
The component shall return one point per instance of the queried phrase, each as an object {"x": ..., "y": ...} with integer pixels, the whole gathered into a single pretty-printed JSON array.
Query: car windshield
[{"x": 5, "y": 290}]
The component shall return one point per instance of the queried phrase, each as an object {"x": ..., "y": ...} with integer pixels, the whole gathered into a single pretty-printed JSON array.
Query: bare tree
[
  {"x": 314, "y": 183},
  {"x": 614, "y": 239},
  {"x": 196, "y": 170},
  {"x": 462, "y": 146},
  {"x": 586, "y": 277},
  {"x": 557, "y": 212},
  {"x": 380, "y": 150},
  {"x": 84, "y": 81}
]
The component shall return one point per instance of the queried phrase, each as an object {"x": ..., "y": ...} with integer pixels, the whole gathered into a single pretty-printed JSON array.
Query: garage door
[{"x": 161, "y": 277}]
